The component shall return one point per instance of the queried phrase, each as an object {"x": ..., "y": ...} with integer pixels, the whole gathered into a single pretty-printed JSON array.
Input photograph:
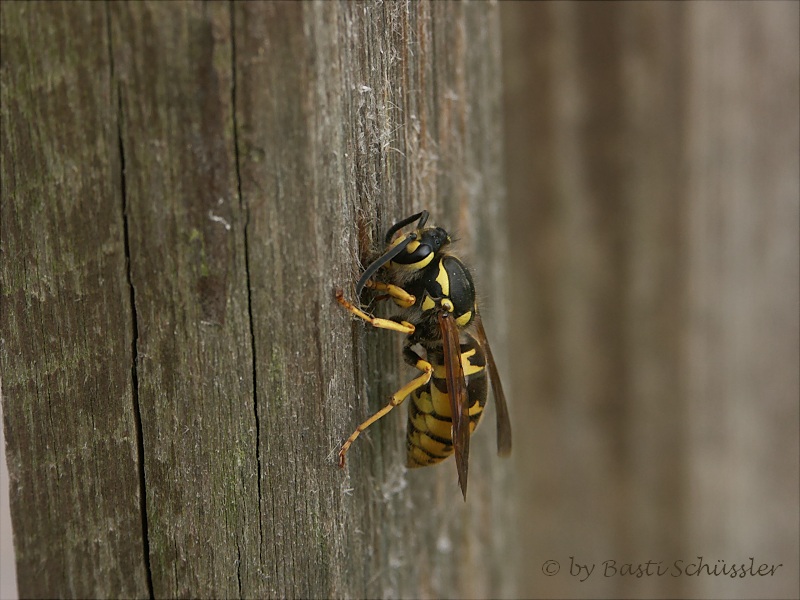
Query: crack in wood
[
  {"x": 137, "y": 413},
  {"x": 246, "y": 212}
]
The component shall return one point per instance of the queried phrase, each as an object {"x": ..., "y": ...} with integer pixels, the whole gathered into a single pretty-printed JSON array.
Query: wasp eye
[{"x": 441, "y": 237}]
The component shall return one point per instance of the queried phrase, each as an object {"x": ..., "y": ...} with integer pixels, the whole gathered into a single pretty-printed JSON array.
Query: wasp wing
[
  {"x": 503, "y": 420},
  {"x": 457, "y": 391}
]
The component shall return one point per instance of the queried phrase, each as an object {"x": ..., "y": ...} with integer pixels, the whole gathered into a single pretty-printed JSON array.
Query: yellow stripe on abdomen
[{"x": 429, "y": 435}]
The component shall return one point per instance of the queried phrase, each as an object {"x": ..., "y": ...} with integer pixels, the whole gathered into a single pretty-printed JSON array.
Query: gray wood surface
[
  {"x": 183, "y": 186},
  {"x": 653, "y": 184},
  {"x": 71, "y": 424}
]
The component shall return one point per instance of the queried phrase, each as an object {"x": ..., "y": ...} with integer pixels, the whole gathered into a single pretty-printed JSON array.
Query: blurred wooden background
[
  {"x": 652, "y": 171},
  {"x": 641, "y": 281}
]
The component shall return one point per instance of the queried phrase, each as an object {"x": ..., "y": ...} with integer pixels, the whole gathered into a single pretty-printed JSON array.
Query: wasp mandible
[{"x": 435, "y": 291}]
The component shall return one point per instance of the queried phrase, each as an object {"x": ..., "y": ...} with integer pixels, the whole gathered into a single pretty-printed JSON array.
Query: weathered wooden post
[{"x": 183, "y": 186}]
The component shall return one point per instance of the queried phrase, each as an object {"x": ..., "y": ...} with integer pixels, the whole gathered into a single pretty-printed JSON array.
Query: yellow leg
[
  {"x": 398, "y": 294},
  {"x": 396, "y": 399},
  {"x": 403, "y": 327}
]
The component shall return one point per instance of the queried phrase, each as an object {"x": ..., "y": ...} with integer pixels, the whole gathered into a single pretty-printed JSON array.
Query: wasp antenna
[
  {"x": 380, "y": 261},
  {"x": 422, "y": 216}
]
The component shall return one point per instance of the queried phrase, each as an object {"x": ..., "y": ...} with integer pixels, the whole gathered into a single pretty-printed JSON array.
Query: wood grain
[
  {"x": 184, "y": 185},
  {"x": 67, "y": 347}
]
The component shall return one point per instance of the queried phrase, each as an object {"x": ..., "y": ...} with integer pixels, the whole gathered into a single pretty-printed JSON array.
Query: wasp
[{"x": 439, "y": 316}]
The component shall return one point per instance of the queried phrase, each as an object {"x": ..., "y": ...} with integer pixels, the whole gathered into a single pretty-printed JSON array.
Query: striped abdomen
[{"x": 429, "y": 437}]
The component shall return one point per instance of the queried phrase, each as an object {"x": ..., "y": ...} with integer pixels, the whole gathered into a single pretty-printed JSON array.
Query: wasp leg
[
  {"x": 399, "y": 295},
  {"x": 402, "y": 327},
  {"x": 396, "y": 399}
]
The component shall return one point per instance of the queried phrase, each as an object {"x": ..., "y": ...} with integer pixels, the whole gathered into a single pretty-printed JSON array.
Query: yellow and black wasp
[{"x": 437, "y": 295}]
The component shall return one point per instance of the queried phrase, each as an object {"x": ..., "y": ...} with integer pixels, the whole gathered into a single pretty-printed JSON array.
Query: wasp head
[{"x": 421, "y": 247}]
